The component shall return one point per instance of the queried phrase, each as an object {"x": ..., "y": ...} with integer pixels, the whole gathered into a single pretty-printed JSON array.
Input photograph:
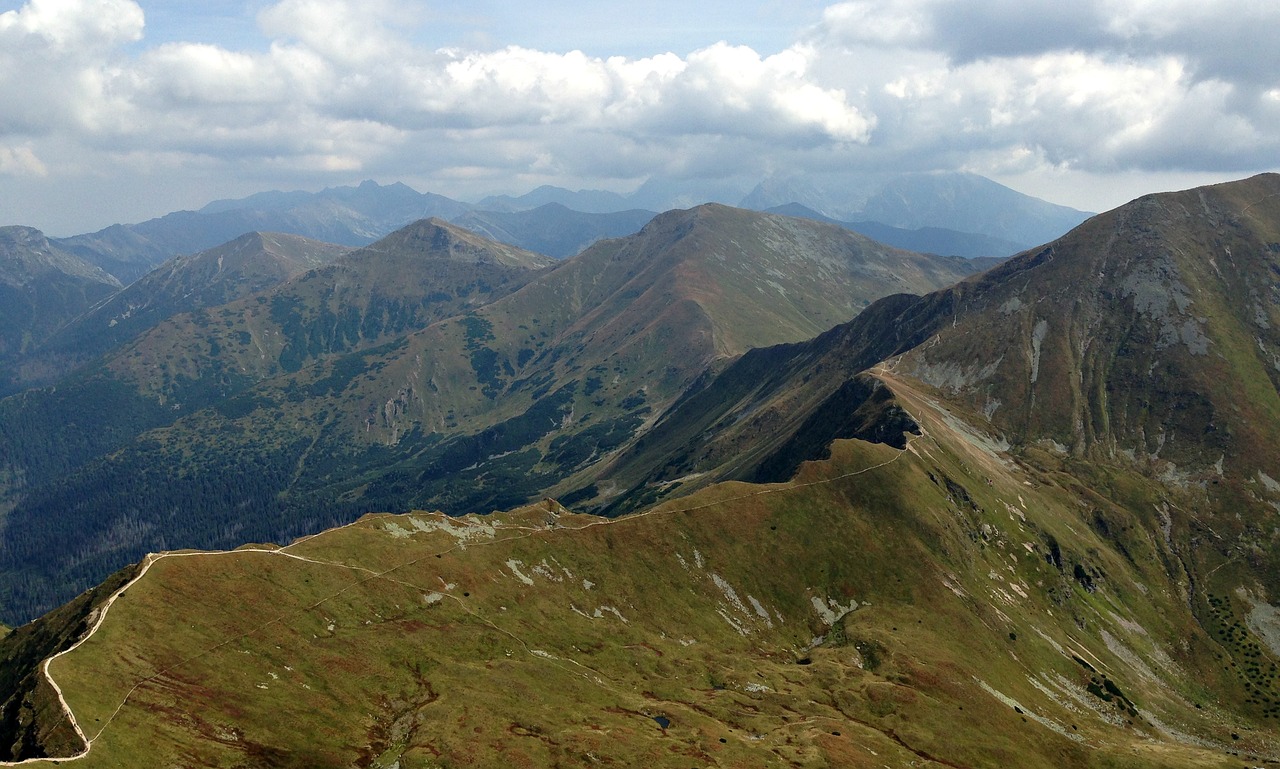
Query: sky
[{"x": 122, "y": 110}]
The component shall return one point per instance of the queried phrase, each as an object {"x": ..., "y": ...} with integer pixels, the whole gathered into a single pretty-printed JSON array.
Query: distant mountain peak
[
  {"x": 26, "y": 252},
  {"x": 435, "y": 238}
]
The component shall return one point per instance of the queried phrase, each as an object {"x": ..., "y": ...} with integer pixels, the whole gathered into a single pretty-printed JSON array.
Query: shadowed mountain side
[
  {"x": 770, "y": 409},
  {"x": 42, "y": 287}
]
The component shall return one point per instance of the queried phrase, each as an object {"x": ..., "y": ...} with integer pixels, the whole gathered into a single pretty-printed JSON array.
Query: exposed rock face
[{"x": 1143, "y": 331}]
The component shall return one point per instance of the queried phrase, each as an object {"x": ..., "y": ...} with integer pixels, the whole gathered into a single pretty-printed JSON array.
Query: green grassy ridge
[
  {"x": 1159, "y": 360},
  {"x": 1091, "y": 589},
  {"x": 496, "y": 670},
  {"x": 32, "y": 723},
  {"x": 1153, "y": 349}
]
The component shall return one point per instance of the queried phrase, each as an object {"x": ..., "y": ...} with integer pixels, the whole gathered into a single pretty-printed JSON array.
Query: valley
[{"x": 775, "y": 495}]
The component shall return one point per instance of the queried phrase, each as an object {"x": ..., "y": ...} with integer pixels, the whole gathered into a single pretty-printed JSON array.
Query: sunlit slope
[
  {"x": 939, "y": 605},
  {"x": 1150, "y": 330}
]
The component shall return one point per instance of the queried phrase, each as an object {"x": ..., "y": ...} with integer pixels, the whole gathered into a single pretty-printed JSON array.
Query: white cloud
[
  {"x": 21, "y": 161},
  {"x": 57, "y": 61},
  {"x": 1096, "y": 85},
  {"x": 340, "y": 87},
  {"x": 184, "y": 93},
  {"x": 72, "y": 27},
  {"x": 351, "y": 32},
  {"x": 1225, "y": 38}
]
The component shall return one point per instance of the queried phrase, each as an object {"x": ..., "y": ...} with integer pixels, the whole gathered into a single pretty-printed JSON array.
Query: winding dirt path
[{"x": 152, "y": 558}]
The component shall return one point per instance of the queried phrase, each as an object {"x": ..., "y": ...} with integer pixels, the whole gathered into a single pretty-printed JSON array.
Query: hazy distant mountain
[
  {"x": 959, "y": 202},
  {"x": 359, "y": 215},
  {"x": 42, "y": 287},
  {"x": 586, "y": 201},
  {"x": 988, "y": 219},
  {"x": 778, "y": 192},
  {"x": 351, "y": 216},
  {"x": 969, "y": 203},
  {"x": 663, "y": 194},
  {"x": 119, "y": 250},
  {"x": 377, "y": 208},
  {"x": 926, "y": 240},
  {"x": 551, "y": 228}
]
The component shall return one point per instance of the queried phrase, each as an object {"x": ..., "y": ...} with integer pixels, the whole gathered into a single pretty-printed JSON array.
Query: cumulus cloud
[
  {"x": 341, "y": 87},
  {"x": 1219, "y": 39},
  {"x": 74, "y": 27},
  {"x": 57, "y": 59},
  {"x": 335, "y": 66},
  {"x": 21, "y": 161},
  {"x": 1096, "y": 85}
]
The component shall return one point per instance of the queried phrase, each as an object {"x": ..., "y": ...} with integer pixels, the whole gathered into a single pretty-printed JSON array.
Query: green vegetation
[
  {"x": 433, "y": 369},
  {"x": 31, "y": 720},
  {"x": 883, "y": 607},
  {"x": 1026, "y": 521}
]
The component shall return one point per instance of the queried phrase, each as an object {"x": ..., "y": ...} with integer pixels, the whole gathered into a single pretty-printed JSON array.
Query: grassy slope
[
  {"x": 541, "y": 637},
  {"x": 32, "y": 722}
]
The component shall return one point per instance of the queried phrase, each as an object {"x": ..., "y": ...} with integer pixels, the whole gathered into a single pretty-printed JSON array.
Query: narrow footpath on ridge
[{"x": 152, "y": 558}]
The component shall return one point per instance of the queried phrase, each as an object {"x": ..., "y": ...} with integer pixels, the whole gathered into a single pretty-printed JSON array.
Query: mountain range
[
  {"x": 432, "y": 367},
  {"x": 963, "y": 209},
  {"x": 249, "y": 264},
  {"x": 859, "y": 509}
]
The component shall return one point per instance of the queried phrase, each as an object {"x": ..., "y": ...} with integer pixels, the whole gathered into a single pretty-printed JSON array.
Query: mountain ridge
[
  {"x": 479, "y": 408},
  {"x": 552, "y": 228},
  {"x": 42, "y": 288},
  {"x": 249, "y": 264}
]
